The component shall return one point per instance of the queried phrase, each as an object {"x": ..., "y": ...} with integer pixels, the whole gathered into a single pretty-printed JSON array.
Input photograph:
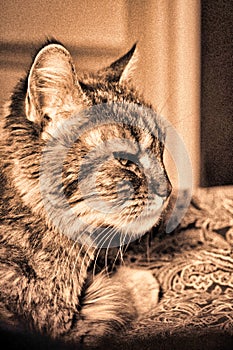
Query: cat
[{"x": 98, "y": 137}]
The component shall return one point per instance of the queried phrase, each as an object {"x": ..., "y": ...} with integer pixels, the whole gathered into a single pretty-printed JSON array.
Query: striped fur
[{"x": 45, "y": 283}]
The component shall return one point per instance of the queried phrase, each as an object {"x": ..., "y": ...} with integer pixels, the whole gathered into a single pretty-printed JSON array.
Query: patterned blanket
[{"x": 194, "y": 265}]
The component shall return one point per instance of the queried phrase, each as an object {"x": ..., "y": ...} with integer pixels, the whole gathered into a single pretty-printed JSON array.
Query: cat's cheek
[{"x": 149, "y": 218}]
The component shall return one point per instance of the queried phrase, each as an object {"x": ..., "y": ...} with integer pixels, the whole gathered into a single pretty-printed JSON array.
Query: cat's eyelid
[
  {"x": 124, "y": 158},
  {"x": 124, "y": 155}
]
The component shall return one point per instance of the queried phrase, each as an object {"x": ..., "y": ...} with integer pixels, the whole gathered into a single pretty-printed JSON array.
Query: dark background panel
[{"x": 217, "y": 93}]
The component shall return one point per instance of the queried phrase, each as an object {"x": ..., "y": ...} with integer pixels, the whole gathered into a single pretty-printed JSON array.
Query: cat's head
[{"x": 102, "y": 168}]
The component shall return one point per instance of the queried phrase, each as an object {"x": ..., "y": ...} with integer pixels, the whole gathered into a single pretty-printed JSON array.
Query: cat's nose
[
  {"x": 162, "y": 188},
  {"x": 168, "y": 189},
  {"x": 164, "y": 191}
]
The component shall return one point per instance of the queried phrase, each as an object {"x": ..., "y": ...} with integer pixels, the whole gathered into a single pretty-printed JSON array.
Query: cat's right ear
[
  {"x": 131, "y": 66},
  {"x": 122, "y": 70},
  {"x": 53, "y": 88}
]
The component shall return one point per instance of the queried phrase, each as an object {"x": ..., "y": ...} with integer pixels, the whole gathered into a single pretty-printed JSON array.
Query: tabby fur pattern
[{"x": 46, "y": 281}]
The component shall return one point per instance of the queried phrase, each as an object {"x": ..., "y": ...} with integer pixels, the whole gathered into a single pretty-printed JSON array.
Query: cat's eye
[
  {"x": 124, "y": 158},
  {"x": 123, "y": 161}
]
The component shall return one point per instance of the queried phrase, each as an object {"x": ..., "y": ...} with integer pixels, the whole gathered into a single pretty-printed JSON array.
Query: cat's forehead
[
  {"x": 126, "y": 121},
  {"x": 124, "y": 137}
]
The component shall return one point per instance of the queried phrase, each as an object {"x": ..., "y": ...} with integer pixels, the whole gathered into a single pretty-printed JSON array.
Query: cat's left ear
[
  {"x": 53, "y": 88},
  {"x": 122, "y": 69}
]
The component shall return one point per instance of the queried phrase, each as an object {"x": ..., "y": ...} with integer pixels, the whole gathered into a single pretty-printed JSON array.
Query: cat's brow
[{"x": 147, "y": 141}]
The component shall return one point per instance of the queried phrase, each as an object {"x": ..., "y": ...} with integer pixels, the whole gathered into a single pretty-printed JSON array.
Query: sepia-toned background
[{"x": 176, "y": 46}]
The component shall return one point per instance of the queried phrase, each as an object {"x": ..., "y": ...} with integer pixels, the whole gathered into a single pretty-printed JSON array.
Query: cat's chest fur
[{"x": 82, "y": 170}]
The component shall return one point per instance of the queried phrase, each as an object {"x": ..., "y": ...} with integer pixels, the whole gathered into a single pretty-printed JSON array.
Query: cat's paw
[
  {"x": 111, "y": 303},
  {"x": 142, "y": 287},
  {"x": 107, "y": 306}
]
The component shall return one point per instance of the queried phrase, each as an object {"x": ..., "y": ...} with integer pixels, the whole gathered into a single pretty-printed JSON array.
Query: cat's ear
[
  {"x": 130, "y": 67},
  {"x": 52, "y": 85},
  {"x": 122, "y": 69}
]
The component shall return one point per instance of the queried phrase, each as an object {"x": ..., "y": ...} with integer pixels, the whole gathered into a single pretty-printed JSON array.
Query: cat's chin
[
  {"x": 95, "y": 231},
  {"x": 114, "y": 236},
  {"x": 141, "y": 226},
  {"x": 145, "y": 222}
]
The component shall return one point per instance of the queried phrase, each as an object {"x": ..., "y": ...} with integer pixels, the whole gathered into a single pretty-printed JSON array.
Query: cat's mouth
[
  {"x": 120, "y": 232},
  {"x": 148, "y": 219},
  {"x": 110, "y": 236}
]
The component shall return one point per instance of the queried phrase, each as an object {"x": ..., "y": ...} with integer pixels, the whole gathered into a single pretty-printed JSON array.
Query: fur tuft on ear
[
  {"x": 52, "y": 85},
  {"x": 122, "y": 69}
]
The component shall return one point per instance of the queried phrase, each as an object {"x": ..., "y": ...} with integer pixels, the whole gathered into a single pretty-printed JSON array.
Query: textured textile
[{"x": 194, "y": 266}]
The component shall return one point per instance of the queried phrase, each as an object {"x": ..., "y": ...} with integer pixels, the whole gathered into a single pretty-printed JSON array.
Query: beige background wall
[{"x": 97, "y": 32}]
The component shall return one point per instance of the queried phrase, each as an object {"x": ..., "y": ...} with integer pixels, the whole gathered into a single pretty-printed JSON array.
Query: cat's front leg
[{"x": 112, "y": 303}]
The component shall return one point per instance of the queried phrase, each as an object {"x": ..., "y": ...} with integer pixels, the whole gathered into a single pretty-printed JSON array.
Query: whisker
[
  {"x": 83, "y": 258},
  {"x": 90, "y": 246},
  {"x": 104, "y": 241},
  {"x": 107, "y": 250},
  {"x": 122, "y": 242},
  {"x": 76, "y": 241}
]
